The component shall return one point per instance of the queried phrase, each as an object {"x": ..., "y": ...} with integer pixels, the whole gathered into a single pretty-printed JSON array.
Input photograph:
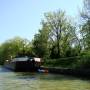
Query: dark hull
[{"x": 22, "y": 66}]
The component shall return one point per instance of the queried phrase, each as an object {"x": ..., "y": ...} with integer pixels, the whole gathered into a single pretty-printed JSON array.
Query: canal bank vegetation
[{"x": 60, "y": 41}]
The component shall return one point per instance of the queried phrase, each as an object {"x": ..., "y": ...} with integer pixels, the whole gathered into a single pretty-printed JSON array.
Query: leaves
[{"x": 14, "y": 47}]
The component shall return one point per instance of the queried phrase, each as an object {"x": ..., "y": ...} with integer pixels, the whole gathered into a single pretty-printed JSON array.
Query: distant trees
[{"x": 14, "y": 47}]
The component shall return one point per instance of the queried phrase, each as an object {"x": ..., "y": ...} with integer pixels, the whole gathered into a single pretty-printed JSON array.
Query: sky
[{"x": 22, "y": 17}]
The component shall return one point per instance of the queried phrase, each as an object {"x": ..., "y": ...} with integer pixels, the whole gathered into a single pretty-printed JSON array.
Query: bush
[
  {"x": 61, "y": 62},
  {"x": 71, "y": 62},
  {"x": 84, "y": 62}
]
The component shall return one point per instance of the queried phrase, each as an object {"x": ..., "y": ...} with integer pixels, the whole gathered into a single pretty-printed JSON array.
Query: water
[{"x": 40, "y": 81}]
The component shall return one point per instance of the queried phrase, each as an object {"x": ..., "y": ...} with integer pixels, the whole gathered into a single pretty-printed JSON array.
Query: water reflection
[{"x": 39, "y": 81}]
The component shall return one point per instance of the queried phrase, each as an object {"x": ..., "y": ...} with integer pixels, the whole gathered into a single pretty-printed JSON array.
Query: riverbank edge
[{"x": 68, "y": 71}]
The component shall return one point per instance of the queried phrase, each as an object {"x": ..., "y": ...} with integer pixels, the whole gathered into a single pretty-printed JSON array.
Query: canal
[{"x": 40, "y": 81}]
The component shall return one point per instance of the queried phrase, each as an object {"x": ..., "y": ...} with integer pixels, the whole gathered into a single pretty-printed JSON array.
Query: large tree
[
  {"x": 56, "y": 35},
  {"x": 61, "y": 32},
  {"x": 85, "y": 30}
]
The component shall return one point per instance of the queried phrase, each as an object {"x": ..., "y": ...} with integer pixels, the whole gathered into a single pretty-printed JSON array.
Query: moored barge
[{"x": 23, "y": 64}]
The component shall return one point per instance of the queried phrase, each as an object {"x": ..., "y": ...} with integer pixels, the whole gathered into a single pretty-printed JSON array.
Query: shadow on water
[
  {"x": 3, "y": 69},
  {"x": 26, "y": 75},
  {"x": 42, "y": 76},
  {"x": 48, "y": 76}
]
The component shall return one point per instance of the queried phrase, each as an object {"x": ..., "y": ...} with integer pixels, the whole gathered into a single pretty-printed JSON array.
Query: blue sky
[{"x": 22, "y": 17}]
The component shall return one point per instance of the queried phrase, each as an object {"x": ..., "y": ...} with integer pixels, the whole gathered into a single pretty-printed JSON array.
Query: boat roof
[{"x": 26, "y": 59}]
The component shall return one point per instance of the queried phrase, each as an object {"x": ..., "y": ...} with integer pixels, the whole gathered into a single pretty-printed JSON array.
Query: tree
[
  {"x": 14, "y": 47},
  {"x": 85, "y": 27},
  {"x": 61, "y": 32},
  {"x": 55, "y": 38},
  {"x": 85, "y": 31},
  {"x": 40, "y": 43},
  {"x": 86, "y": 10}
]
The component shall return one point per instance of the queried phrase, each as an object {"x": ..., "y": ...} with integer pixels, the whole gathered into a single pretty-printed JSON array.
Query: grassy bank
[{"x": 70, "y": 62}]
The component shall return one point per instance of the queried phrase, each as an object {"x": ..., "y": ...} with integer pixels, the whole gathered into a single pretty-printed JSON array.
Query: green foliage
[
  {"x": 57, "y": 42},
  {"x": 40, "y": 44},
  {"x": 56, "y": 37},
  {"x": 14, "y": 47},
  {"x": 83, "y": 62},
  {"x": 58, "y": 26},
  {"x": 85, "y": 31},
  {"x": 86, "y": 10},
  {"x": 85, "y": 26},
  {"x": 79, "y": 62},
  {"x": 68, "y": 62}
]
